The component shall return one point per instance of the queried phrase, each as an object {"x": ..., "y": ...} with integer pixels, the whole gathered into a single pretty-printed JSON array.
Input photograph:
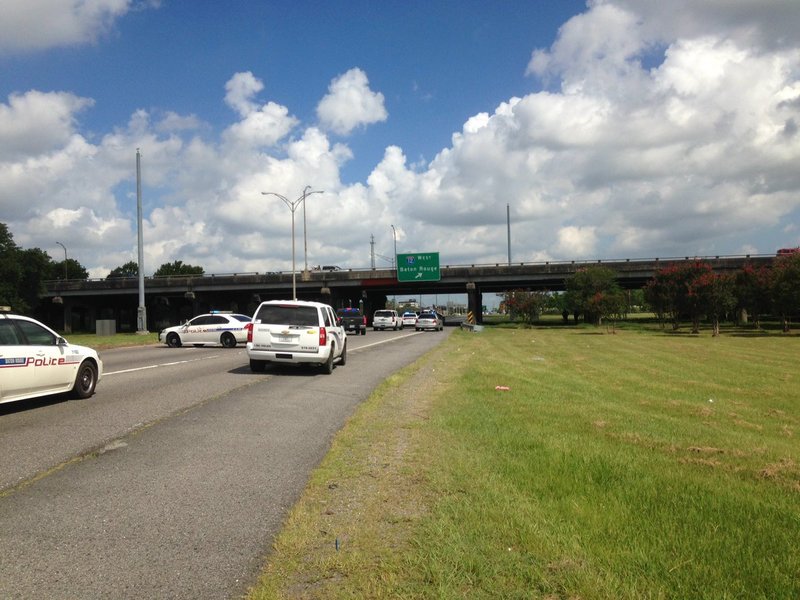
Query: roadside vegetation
[
  {"x": 561, "y": 462},
  {"x": 105, "y": 342}
]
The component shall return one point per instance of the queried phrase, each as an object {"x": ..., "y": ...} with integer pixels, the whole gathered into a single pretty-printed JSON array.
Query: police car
[
  {"x": 216, "y": 327},
  {"x": 36, "y": 361}
]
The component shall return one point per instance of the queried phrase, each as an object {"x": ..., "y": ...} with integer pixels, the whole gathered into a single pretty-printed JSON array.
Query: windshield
[{"x": 288, "y": 314}]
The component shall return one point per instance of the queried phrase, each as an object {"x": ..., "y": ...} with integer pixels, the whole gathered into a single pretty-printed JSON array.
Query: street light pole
[
  {"x": 65, "y": 259},
  {"x": 293, "y": 204},
  {"x": 394, "y": 263},
  {"x": 394, "y": 235}
]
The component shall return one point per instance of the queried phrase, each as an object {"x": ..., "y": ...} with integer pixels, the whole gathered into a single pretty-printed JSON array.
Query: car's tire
[
  {"x": 174, "y": 340},
  {"x": 227, "y": 340},
  {"x": 374, "y": 329},
  {"x": 257, "y": 366},
  {"x": 327, "y": 366},
  {"x": 364, "y": 331},
  {"x": 343, "y": 357},
  {"x": 85, "y": 380}
]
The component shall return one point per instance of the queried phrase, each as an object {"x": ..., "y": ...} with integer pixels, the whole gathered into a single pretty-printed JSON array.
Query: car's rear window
[
  {"x": 288, "y": 314},
  {"x": 383, "y": 313},
  {"x": 427, "y": 316}
]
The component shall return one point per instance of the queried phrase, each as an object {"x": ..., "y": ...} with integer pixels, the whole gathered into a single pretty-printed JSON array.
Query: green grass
[
  {"x": 635, "y": 465},
  {"x": 104, "y": 342}
]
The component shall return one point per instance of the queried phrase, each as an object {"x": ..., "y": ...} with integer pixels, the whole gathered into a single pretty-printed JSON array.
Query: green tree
[
  {"x": 594, "y": 292},
  {"x": 716, "y": 295},
  {"x": 129, "y": 269},
  {"x": 74, "y": 270},
  {"x": 753, "y": 291},
  {"x": 177, "y": 268},
  {"x": 525, "y": 305},
  {"x": 10, "y": 270},
  {"x": 786, "y": 287}
]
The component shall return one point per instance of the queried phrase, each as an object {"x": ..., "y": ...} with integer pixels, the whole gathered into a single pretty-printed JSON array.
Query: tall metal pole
[
  {"x": 141, "y": 325},
  {"x": 508, "y": 221},
  {"x": 394, "y": 264},
  {"x": 305, "y": 237}
]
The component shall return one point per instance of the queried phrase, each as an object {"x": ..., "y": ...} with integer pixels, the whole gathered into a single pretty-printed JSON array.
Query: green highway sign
[{"x": 420, "y": 266}]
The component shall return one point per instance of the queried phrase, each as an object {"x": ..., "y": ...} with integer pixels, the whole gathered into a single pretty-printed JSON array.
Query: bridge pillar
[{"x": 475, "y": 302}]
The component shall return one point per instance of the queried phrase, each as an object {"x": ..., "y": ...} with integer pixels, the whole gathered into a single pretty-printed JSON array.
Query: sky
[{"x": 604, "y": 129}]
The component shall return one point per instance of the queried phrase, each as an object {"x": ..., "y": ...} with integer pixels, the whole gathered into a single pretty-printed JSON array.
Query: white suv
[
  {"x": 295, "y": 332},
  {"x": 386, "y": 319},
  {"x": 36, "y": 361}
]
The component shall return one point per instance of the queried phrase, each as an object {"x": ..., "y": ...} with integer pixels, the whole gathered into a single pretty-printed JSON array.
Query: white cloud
[
  {"x": 643, "y": 140},
  {"x": 28, "y": 25},
  {"x": 35, "y": 123},
  {"x": 578, "y": 242},
  {"x": 350, "y": 103},
  {"x": 240, "y": 90}
]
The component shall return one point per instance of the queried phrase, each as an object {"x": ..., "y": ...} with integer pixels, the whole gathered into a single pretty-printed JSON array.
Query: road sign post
[{"x": 419, "y": 266}]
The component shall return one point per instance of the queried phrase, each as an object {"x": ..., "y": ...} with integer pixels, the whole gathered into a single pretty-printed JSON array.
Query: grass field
[{"x": 642, "y": 464}]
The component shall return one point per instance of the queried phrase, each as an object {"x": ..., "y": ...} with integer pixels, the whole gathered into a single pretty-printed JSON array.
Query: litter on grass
[{"x": 502, "y": 388}]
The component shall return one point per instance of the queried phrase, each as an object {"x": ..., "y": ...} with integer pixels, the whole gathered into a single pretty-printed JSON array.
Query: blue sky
[{"x": 613, "y": 129}]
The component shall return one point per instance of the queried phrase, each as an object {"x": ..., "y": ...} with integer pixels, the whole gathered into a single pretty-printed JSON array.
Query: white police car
[
  {"x": 216, "y": 327},
  {"x": 36, "y": 361}
]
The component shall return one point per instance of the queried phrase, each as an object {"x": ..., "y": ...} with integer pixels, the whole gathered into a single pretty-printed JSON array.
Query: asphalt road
[{"x": 173, "y": 480}]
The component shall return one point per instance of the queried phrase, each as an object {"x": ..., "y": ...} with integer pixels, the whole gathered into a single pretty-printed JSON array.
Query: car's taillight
[
  {"x": 249, "y": 328},
  {"x": 365, "y": 321},
  {"x": 323, "y": 337}
]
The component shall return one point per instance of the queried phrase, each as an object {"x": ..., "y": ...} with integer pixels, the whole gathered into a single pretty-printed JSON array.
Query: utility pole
[
  {"x": 508, "y": 221},
  {"x": 141, "y": 322},
  {"x": 372, "y": 250}
]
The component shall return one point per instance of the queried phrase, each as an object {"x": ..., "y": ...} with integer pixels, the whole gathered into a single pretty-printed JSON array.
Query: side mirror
[{"x": 60, "y": 341}]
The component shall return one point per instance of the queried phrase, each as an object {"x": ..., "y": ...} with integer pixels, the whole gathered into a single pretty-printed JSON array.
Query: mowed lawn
[{"x": 641, "y": 464}]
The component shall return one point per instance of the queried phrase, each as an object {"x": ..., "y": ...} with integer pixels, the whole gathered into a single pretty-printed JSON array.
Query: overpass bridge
[{"x": 78, "y": 304}]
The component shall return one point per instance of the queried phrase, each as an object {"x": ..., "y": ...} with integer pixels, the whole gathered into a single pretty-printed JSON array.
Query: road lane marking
[
  {"x": 169, "y": 364},
  {"x": 399, "y": 337}
]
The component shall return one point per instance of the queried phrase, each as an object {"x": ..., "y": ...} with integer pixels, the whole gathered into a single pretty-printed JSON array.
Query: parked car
[
  {"x": 409, "y": 319},
  {"x": 429, "y": 320},
  {"x": 352, "y": 320},
  {"x": 35, "y": 361},
  {"x": 386, "y": 319},
  {"x": 295, "y": 332},
  {"x": 216, "y": 327}
]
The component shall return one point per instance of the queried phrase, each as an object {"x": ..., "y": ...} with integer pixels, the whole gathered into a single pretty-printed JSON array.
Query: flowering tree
[
  {"x": 524, "y": 304},
  {"x": 594, "y": 292},
  {"x": 691, "y": 289},
  {"x": 714, "y": 293},
  {"x": 786, "y": 286},
  {"x": 753, "y": 291}
]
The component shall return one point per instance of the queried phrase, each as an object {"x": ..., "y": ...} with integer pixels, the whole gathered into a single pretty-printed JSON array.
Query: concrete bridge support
[{"x": 475, "y": 302}]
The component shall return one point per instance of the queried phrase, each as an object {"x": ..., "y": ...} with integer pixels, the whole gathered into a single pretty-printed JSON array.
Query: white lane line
[
  {"x": 399, "y": 337},
  {"x": 169, "y": 364}
]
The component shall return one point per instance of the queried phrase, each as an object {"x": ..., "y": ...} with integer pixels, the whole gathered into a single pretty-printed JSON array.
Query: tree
[
  {"x": 129, "y": 269},
  {"x": 594, "y": 292},
  {"x": 786, "y": 286},
  {"x": 23, "y": 272},
  {"x": 177, "y": 268},
  {"x": 715, "y": 294},
  {"x": 525, "y": 305},
  {"x": 10, "y": 270},
  {"x": 74, "y": 270},
  {"x": 753, "y": 291}
]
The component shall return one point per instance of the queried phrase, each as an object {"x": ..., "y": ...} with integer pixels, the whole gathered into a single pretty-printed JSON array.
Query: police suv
[
  {"x": 295, "y": 332},
  {"x": 36, "y": 361}
]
